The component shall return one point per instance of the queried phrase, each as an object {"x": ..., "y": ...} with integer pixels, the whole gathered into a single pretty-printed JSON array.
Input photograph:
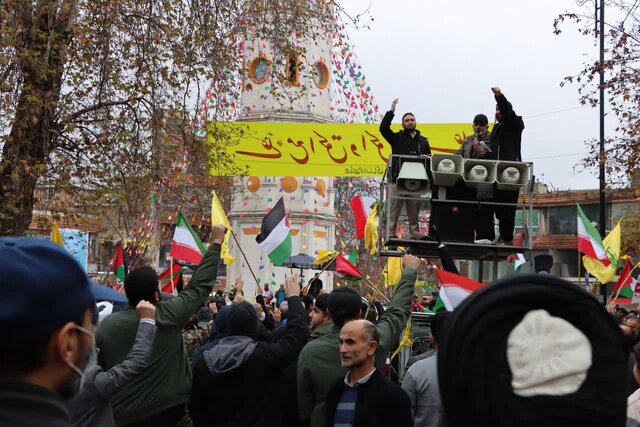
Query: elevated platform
[{"x": 457, "y": 250}]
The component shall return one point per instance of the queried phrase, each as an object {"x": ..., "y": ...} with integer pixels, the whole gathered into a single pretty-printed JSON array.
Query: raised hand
[
  {"x": 145, "y": 310},
  {"x": 410, "y": 261}
]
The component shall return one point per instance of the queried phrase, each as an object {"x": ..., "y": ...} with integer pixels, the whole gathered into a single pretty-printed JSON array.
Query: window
[
  {"x": 522, "y": 217},
  {"x": 563, "y": 219},
  {"x": 259, "y": 69},
  {"x": 320, "y": 74},
  {"x": 293, "y": 71}
]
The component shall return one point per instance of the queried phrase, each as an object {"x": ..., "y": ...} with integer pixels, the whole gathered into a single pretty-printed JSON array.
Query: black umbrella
[{"x": 303, "y": 262}]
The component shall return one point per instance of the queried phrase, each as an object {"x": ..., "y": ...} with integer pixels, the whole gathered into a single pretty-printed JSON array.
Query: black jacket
[
  {"x": 506, "y": 135},
  {"x": 239, "y": 382},
  {"x": 402, "y": 143},
  {"x": 25, "y": 404},
  {"x": 380, "y": 403}
]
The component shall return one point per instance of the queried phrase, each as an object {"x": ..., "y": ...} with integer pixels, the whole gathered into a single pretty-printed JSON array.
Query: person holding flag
[{"x": 168, "y": 374}]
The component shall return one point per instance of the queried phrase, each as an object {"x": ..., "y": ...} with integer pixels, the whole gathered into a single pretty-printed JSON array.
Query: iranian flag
[
  {"x": 275, "y": 234},
  {"x": 589, "y": 241},
  {"x": 453, "y": 289},
  {"x": 186, "y": 245},
  {"x": 168, "y": 279},
  {"x": 119, "y": 266}
]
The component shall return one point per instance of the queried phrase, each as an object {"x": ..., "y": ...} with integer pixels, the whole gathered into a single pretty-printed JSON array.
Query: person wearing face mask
[
  {"x": 92, "y": 405},
  {"x": 47, "y": 316}
]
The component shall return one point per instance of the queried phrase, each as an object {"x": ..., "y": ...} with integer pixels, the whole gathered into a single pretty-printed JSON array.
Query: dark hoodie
[{"x": 238, "y": 382}]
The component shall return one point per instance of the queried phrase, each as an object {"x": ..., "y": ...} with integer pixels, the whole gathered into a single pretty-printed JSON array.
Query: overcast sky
[{"x": 442, "y": 57}]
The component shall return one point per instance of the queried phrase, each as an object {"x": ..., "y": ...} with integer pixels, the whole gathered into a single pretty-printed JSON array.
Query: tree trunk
[{"x": 43, "y": 45}]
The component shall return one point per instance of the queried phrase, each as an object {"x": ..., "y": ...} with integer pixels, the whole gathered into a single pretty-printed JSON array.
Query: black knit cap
[
  {"x": 242, "y": 320},
  {"x": 473, "y": 368},
  {"x": 480, "y": 119}
]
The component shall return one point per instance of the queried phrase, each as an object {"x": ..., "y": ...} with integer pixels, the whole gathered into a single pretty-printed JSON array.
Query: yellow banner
[{"x": 319, "y": 149}]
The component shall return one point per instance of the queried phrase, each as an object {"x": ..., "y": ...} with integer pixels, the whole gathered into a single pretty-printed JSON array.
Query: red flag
[
  {"x": 344, "y": 267},
  {"x": 360, "y": 215},
  {"x": 119, "y": 266},
  {"x": 624, "y": 279},
  {"x": 169, "y": 278}
]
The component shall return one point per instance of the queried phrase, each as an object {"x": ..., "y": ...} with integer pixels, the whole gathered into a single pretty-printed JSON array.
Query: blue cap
[
  {"x": 105, "y": 293},
  {"x": 41, "y": 287}
]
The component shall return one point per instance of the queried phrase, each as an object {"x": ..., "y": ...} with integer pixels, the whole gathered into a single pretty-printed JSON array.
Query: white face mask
[
  {"x": 263, "y": 316},
  {"x": 92, "y": 358}
]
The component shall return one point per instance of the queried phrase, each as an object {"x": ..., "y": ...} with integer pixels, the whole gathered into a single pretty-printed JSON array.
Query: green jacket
[
  {"x": 321, "y": 330},
  {"x": 167, "y": 380},
  {"x": 319, "y": 362}
]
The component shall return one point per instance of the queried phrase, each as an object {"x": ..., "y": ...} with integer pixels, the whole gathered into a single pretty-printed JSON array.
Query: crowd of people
[{"x": 530, "y": 350}]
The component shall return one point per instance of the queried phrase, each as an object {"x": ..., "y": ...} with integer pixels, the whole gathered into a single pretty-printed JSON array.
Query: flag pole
[
  {"x": 332, "y": 260},
  {"x": 170, "y": 258},
  {"x": 620, "y": 288},
  {"x": 579, "y": 275},
  {"x": 245, "y": 257}
]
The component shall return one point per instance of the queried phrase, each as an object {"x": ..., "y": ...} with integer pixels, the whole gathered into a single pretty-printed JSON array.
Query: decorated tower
[{"x": 284, "y": 88}]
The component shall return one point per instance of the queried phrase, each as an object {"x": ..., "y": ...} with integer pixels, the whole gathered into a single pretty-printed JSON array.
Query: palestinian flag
[
  {"x": 119, "y": 266},
  {"x": 359, "y": 215},
  {"x": 347, "y": 270},
  {"x": 589, "y": 241},
  {"x": 275, "y": 235},
  {"x": 518, "y": 260},
  {"x": 625, "y": 287},
  {"x": 186, "y": 245},
  {"x": 453, "y": 289},
  {"x": 168, "y": 279}
]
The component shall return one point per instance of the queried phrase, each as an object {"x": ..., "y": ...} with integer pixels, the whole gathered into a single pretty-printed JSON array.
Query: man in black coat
[
  {"x": 364, "y": 397},
  {"x": 410, "y": 142},
  {"x": 505, "y": 141},
  {"x": 239, "y": 381}
]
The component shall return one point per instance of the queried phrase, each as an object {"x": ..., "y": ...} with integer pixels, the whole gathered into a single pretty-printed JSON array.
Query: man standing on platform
[
  {"x": 408, "y": 142},
  {"x": 506, "y": 137},
  {"x": 476, "y": 146}
]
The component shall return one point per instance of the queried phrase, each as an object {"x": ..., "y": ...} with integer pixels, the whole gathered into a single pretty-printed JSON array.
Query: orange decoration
[
  {"x": 289, "y": 184},
  {"x": 321, "y": 187},
  {"x": 253, "y": 184}
]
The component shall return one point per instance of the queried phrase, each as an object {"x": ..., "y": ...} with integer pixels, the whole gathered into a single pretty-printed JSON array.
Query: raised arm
[
  {"x": 385, "y": 125},
  {"x": 115, "y": 379},
  {"x": 283, "y": 351},
  {"x": 394, "y": 319},
  {"x": 506, "y": 109},
  {"x": 178, "y": 310}
]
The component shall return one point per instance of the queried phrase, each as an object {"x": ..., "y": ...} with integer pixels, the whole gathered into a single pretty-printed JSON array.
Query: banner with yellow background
[{"x": 319, "y": 149}]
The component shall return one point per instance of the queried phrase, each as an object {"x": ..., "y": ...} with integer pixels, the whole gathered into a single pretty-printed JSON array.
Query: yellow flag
[
  {"x": 219, "y": 217},
  {"x": 611, "y": 244},
  {"x": 56, "y": 237},
  {"x": 324, "y": 255},
  {"x": 394, "y": 270},
  {"x": 371, "y": 231}
]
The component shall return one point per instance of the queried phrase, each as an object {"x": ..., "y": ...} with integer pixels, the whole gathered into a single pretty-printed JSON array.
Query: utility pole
[{"x": 602, "y": 159}]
